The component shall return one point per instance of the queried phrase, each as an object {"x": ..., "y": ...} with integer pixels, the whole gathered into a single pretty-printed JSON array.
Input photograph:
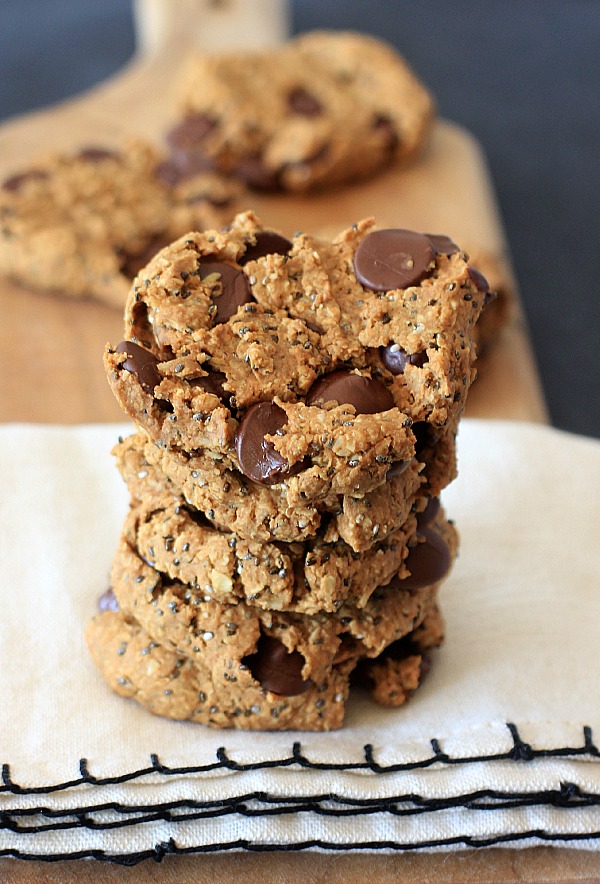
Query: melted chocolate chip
[
  {"x": 258, "y": 458},
  {"x": 442, "y": 243},
  {"x": 16, "y": 182},
  {"x": 385, "y": 127},
  {"x": 392, "y": 259},
  {"x": 98, "y": 154},
  {"x": 256, "y": 174},
  {"x": 190, "y": 131},
  {"x": 365, "y": 394},
  {"x": 142, "y": 363},
  {"x": 108, "y": 601},
  {"x": 231, "y": 287},
  {"x": 213, "y": 383},
  {"x": 395, "y": 358},
  {"x": 300, "y": 101},
  {"x": 479, "y": 279},
  {"x": 267, "y": 243},
  {"x": 397, "y": 468},
  {"x": 427, "y": 562},
  {"x": 277, "y": 670},
  {"x": 430, "y": 512}
]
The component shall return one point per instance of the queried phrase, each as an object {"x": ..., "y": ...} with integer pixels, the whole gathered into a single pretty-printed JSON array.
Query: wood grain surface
[{"x": 51, "y": 370}]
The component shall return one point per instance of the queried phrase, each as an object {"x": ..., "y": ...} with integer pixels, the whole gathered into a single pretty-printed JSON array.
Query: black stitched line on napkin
[
  {"x": 567, "y": 797},
  {"x": 520, "y": 751},
  {"x": 170, "y": 848}
]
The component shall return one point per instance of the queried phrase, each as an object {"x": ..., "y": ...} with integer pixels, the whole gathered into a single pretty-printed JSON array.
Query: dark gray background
[{"x": 521, "y": 75}]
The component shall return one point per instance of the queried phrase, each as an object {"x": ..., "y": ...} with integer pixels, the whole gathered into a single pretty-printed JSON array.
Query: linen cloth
[{"x": 498, "y": 746}]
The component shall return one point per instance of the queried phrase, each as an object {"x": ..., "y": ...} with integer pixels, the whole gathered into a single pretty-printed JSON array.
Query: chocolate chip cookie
[
  {"x": 185, "y": 655},
  {"x": 83, "y": 225},
  {"x": 323, "y": 109},
  {"x": 320, "y": 371}
]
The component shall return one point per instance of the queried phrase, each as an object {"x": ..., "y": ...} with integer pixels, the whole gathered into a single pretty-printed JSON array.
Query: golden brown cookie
[
  {"x": 187, "y": 656},
  {"x": 83, "y": 225},
  {"x": 324, "y": 108},
  {"x": 319, "y": 369}
]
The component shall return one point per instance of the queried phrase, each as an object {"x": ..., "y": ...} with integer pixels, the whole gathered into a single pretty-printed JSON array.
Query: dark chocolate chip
[
  {"x": 300, "y": 101},
  {"x": 397, "y": 468},
  {"x": 267, "y": 243},
  {"x": 442, "y": 243},
  {"x": 190, "y": 131},
  {"x": 385, "y": 127},
  {"x": 479, "y": 279},
  {"x": 425, "y": 435},
  {"x": 392, "y": 259},
  {"x": 256, "y": 174},
  {"x": 427, "y": 562},
  {"x": 142, "y": 363},
  {"x": 108, "y": 601},
  {"x": 277, "y": 670},
  {"x": 15, "y": 182},
  {"x": 258, "y": 458},
  {"x": 98, "y": 154},
  {"x": 395, "y": 358},
  {"x": 230, "y": 287},
  {"x": 430, "y": 512},
  {"x": 213, "y": 383},
  {"x": 346, "y": 388}
]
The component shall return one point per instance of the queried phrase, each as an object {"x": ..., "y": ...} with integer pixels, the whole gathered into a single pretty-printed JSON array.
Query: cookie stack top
[{"x": 281, "y": 380}]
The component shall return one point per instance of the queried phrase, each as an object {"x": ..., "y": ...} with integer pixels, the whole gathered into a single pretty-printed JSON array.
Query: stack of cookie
[{"x": 296, "y": 404}]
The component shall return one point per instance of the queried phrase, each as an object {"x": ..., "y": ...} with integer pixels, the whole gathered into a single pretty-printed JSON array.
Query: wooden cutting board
[{"x": 51, "y": 368}]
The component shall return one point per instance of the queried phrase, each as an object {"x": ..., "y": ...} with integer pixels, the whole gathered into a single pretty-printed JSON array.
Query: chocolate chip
[
  {"x": 392, "y": 259},
  {"x": 256, "y": 174},
  {"x": 427, "y": 562},
  {"x": 300, "y": 101},
  {"x": 395, "y": 358},
  {"x": 277, "y": 670},
  {"x": 430, "y": 512},
  {"x": 258, "y": 458},
  {"x": 385, "y": 127},
  {"x": 213, "y": 383},
  {"x": 397, "y": 468},
  {"x": 230, "y": 287},
  {"x": 478, "y": 278},
  {"x": 442, "y": 243},
  {"x": 15, "y": 182},
  {"x": 108, "y": 601},
  {"x": 346, "y": 388},
  {"x": 267, "y": 243},
  {"x": 142, "y": 363},
  {"x": 98, "y": 154},
  {"x": 191, "y": 130},
  {"x": 187, "y": 156}
]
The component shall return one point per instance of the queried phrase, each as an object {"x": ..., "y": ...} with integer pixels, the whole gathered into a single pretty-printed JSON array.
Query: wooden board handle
[{"x": 210, "y": 25}]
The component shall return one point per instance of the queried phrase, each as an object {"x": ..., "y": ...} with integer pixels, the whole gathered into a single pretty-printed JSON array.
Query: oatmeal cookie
[
  {"x": 323, "y": 109},
  {"x": 83, "y": 225}
]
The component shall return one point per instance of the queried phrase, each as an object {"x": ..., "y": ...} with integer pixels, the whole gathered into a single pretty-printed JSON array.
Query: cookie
[
  {"x": 319, "y": 369},
  {"x": 260, "y": 513},
  {"x": 187, "y": 656},
  {"x": 83, "y": 225},
  {"x": 323, "y": 109},
  {"x": 308, "y": 578}
]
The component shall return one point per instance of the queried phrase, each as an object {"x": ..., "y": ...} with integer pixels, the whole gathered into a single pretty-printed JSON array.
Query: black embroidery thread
[{"x": 520, "y": 752}]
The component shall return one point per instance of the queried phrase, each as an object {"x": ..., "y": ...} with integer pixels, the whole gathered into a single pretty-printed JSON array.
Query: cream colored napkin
[{"x": 497, "y": 746}]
